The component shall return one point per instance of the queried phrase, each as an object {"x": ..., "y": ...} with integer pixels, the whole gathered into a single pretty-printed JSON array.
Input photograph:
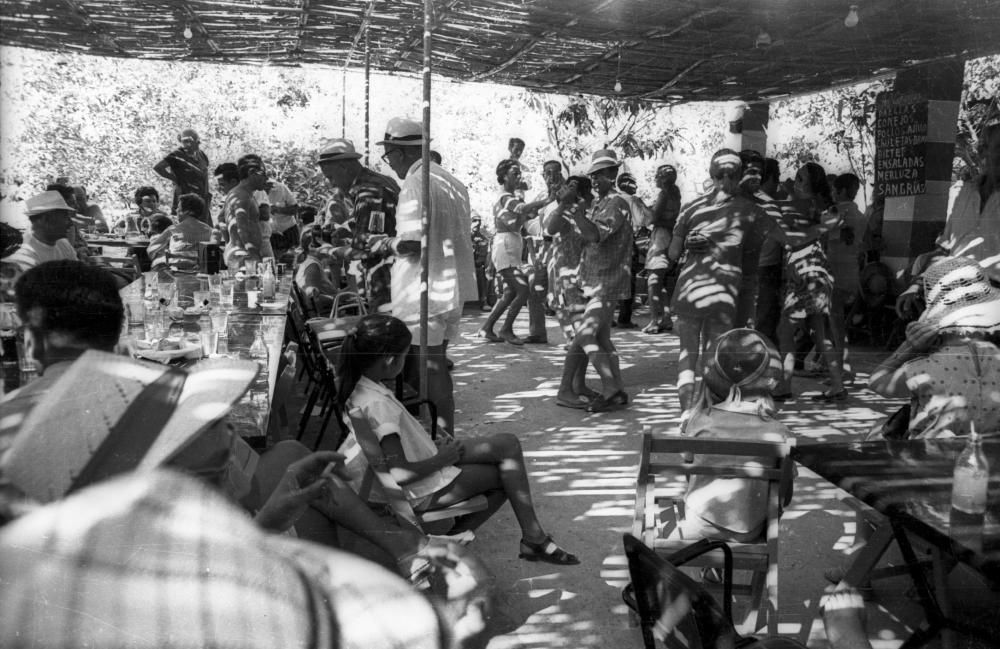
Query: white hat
[
  {"x": 337, "y": 150},
  {"x": 959, "y": 297},
  {"x": 603, "y": 159},
  {"x": 108, "y": 414},
  {"x": 403, "y": 132},
  {"x": 50, "y": 201}
]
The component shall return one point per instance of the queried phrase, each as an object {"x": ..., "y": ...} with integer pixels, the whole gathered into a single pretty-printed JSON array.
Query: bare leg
[
  {"x": 440, "y": 388},
  {"x": 689, "y": 332},
  {"x": 574, "y": 371},
  {"x": 594, "y": 337},
  {"x": 844, "y": 620},
  {"x": 818, "y": 325},
  {"x": 515, "y": 279},
  {"x": 502, "y": 304},
  {"x": 786, "y": 349}
]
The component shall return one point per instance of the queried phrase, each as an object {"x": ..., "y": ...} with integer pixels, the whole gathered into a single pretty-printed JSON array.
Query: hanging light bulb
[
  {"x": 188, "y": 34},
  {"x": 618, "y": 85},
  {"x": 763, "y": 39},
  {"x": 852, "y": 17},
  {"x": 618, "y": 73}
]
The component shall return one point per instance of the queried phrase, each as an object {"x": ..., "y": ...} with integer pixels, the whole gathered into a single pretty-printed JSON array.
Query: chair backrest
[
  {"x": 279, "y": 426},
  {"x": 672, "y": 607},
  {"x": 306, "y": 305},
  {"x": 664, "y": 455},
  {"x": 129, "y": 264}
]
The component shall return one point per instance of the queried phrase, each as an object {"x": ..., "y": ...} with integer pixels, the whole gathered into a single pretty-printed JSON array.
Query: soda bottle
[
  {"x": 971, "y": 477},
  {"x": 267, "y": 282},
  {"x": 258, "y": 350}
]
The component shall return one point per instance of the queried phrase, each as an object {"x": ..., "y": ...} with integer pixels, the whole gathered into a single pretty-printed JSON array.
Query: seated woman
[
  {"x": 319, "y": 270},
  {"x": 177, "y": 246},
  {"x": 433, "y": 474},
  {"x": 741, "y": 370},
  {"x": 950, "y": 359},
  {"x": 147, "y": 200}
]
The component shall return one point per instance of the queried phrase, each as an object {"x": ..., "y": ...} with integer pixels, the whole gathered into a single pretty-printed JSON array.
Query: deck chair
[
  {"x": 659, "y": 501},
  {"x": 394, "y": 496},
  {"x": 676, "y": 611}
]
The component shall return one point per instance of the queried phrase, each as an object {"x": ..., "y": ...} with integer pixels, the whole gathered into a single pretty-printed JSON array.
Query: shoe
[
  {"x": 548, "y": 552},
  {"x": 827, "y": 397},
  {"x": 616, "y": 401},
  {"x": 580, "y": 403},
  {"x": 488, "y": 336},
  {"x": 652, "y": 328},
  {"x": 485, "y": 308},
  {"x": 536, "y": 340},
  {"x": 626, "y": 325},
  {"x": 512, "y": 339}
]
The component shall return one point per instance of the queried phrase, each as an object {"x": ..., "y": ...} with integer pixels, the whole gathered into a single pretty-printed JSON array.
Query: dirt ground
[{"x": 582, "y": 468}]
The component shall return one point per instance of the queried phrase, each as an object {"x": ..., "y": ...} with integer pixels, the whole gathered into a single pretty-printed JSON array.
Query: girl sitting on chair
[{"x": 439, "y": 473}]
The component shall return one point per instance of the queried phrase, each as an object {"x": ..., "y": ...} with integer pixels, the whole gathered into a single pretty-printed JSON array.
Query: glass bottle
[
  {"x": 258, "y": 350},
  {"x": 971, "y": 477},
  {"x": 267, "y": 282}
]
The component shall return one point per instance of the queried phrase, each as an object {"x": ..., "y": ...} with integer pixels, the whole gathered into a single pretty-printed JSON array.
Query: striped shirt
[{"x": 606, "y": 266}]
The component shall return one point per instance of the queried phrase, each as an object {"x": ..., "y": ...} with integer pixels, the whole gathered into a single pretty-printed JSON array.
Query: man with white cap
[
  {"x": 187, "y": 168},
  {"x": 50, "y": 218},
  {"x": 452, "y": 276},
  {"x": 605, "y": 274},
  {"x": 371, "y": 200}
]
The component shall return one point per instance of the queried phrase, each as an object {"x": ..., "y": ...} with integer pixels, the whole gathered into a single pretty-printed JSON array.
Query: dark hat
[{"x": 338, "y": 150}]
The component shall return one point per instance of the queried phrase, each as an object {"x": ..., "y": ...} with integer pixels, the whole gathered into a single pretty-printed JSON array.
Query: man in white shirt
[
  {"x": 50, "y": 218},
  {"x": 452, "y": 277}
]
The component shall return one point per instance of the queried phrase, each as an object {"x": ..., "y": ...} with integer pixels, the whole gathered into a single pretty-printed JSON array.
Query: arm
[
  {"x": 308, "y": 480},
  {"x": 162, "y": 168},
  {"x": 241, "y": 223},
  {"x": 449, "y": 453},
  {"x": 889, "y": 379},
  {"x": 588, "y": 229}
]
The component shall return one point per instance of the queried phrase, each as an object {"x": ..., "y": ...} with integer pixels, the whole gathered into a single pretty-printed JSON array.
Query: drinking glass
[
  {"x": 214, "y": 287},
  {"x": 226, "y": 293},
  {"x": 252, "y": 299},
  {"x": 201, "y": 298},
  {"x": 166, "y": 292},
  {"x": 136, "y": 312}
]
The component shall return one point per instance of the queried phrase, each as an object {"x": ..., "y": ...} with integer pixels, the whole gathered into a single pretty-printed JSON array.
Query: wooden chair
[
  {"x": 677, "y": 611},
  {"x": 660, "y": 487},
  {"x": 394, "y": 495}
]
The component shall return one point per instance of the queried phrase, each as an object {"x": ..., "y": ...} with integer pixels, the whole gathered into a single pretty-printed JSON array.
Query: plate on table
[{"x": 186, "y": 349}]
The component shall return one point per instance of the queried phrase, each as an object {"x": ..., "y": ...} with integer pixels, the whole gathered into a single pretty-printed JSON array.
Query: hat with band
[
  {"x": 741, "y": 359},
  {"x": 603, "y": 159},
  {"x": 338, "y": 149},
  {"x": 401, "y": 131},
  {"x": 959, "y": 297}
]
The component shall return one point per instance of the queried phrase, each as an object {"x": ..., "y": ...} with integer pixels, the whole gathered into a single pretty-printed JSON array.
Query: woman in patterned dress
[{"x": 565, "y": 293}]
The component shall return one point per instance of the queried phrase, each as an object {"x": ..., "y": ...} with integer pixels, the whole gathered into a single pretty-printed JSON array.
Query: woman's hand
[
  {"x": 921, "y": 334},
  {"x": 449, "y": 450},
  {"x": 304, "y": 481}
]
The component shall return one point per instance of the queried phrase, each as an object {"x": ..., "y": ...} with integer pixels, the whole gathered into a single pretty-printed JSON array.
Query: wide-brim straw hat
[
  {"x": 959, "y": 297},
  {"x": 603, "y": 159},
  {"x": 162, "y": 560},
  {"x": 50, "y": 201},
  {"x": 744, "y": 359},
  {"x": 109, "y": 414},
  {"x": 338, "y": 150},
  {"x": 401, "y": 131}
]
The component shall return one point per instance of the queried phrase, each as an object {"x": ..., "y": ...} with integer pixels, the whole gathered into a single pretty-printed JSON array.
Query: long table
[
  {"x": 910, "y": 482},
  {"x": 251, "y": 415}
]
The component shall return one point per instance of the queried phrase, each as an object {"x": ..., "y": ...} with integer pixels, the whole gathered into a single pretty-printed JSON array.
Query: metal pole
[
  {"x": 368, "y": 67},
  {"x": 343, "y": 102},
  {"x": 425, "y": 170}
]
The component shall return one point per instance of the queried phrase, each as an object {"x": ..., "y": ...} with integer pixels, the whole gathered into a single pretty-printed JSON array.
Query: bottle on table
[
  {"x": 971, "y": 478},
  {"x": 205, "y": 333},
  {"x": 258, "y": 350},
  {"x": 267, "y": 283}
]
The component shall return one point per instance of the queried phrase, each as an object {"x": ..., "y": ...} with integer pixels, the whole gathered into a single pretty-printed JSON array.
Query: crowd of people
[{"x": 743, "y": 275}]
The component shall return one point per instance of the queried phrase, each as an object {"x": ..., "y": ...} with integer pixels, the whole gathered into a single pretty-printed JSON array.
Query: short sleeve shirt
[
  {"x": 373, "y": 192},
  {"x": 388, "y": 417},
  {"x": 191, "y": 171},
  {"x": 606, "y": 266},
  {"x": 281, "y": 196},
  {"x": 33, "y": 252}
]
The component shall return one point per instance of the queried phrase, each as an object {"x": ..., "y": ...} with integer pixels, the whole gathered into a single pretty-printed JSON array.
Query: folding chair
[
  {"x": 659, "y": 501},
  {"x": 677, "y": 611},
  {"x": 393, "y": 493}
]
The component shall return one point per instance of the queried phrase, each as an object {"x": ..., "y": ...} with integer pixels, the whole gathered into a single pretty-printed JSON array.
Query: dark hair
[
  {"x": 74, "y": 298},
  {"x": 159, "y": 223},
  {"x": 229, "y": 172},
  {"x": 435, "y": 157},
  {"x": 552, "y": 162},
  {"x": 514, "y": 140},
  {"x": 247, "y": 163},
  {"x": 848, "y": 183},
  {"x": 749, "y": 156},
  {"x": 66, "y": 192},
  {"x": 771, "y": 170},
  {"x": 145, "y": 190},
  {"x": 307, "y": 214},
  {"x": 818, "y": 183},
  {"x": 584, "y": 188},
  {"x": 504, "y": 167},
  {"x": 377, "y": 336},
  {"x": 191, "y": 203}
]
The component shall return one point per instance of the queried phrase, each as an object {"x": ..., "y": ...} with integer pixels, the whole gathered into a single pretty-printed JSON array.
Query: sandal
[{"x": 548, "y": 552}]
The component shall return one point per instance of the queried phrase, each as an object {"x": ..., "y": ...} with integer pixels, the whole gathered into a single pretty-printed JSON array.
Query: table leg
[{"x": 868, "y": 557}]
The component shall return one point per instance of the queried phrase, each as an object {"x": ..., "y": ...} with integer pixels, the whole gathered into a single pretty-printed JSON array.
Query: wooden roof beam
[
  {"x": 365, "y": 20},
  {"x": 416, "y": 39},
  {"x": 88, "y": 22},
  {"x": 195, "y": 24}
]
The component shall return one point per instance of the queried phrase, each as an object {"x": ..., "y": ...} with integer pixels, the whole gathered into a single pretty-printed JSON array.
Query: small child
[
  {"x": 741, "y": 371},
  {"x": 439, "y": 473}
]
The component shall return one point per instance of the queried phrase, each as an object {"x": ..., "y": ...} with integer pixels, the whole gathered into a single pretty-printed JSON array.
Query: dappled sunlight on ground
[{"x": 583, "y": 465}]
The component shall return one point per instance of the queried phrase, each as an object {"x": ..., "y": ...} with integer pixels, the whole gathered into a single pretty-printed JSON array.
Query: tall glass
[
  {"x": 226, "y": 293},
  {"x": 166, "y": 292}
]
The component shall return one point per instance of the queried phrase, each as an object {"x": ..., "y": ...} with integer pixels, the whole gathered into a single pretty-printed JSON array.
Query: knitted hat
[
  {"x": 959, "y": 297},
  {"x": 741, "y": 359}
]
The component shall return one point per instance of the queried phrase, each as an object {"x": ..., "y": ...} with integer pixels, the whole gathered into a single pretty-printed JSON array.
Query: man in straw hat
[
  {"x": 371, "y": 199},
  {"x": 973, "y": 225},
  {"x": 158, "y": 560},
  {"x": 947, "y": 361},
  {"x": 605, "y": 274},
  {"x": 451, "y": 277},
  {"x": 50, "y": 218}
]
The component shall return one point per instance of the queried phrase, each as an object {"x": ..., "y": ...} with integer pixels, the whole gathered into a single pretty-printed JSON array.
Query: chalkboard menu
[{"x": 900, "y": 144}]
